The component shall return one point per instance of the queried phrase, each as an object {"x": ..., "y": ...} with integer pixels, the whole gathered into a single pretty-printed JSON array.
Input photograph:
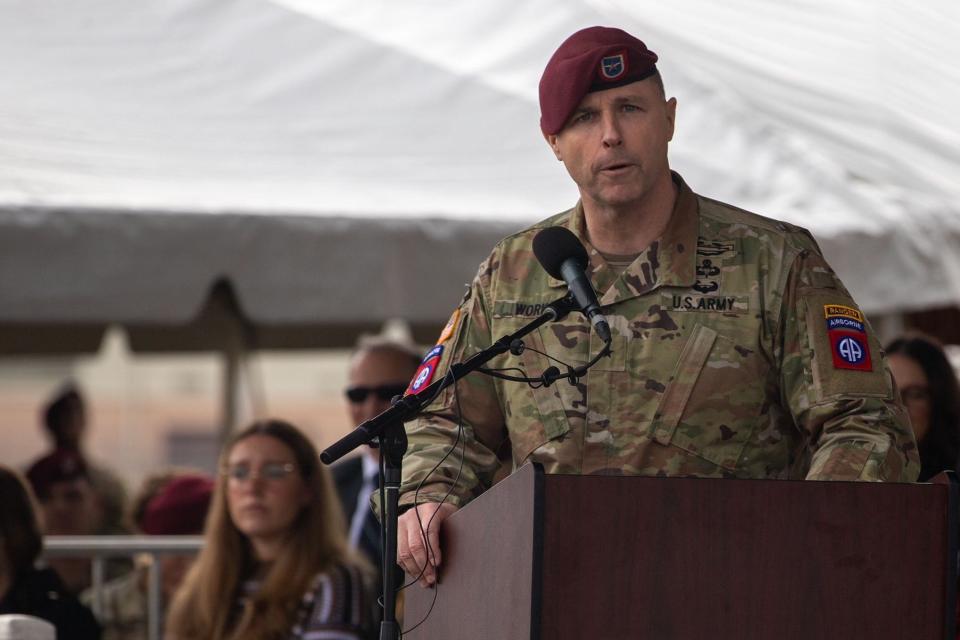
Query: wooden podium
[{"x": 610, "y": 557}]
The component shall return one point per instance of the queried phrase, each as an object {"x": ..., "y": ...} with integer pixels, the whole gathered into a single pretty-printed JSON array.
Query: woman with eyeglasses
[
  {"x": 275, "y": 562},
  {"x": 929, "y": 390}
]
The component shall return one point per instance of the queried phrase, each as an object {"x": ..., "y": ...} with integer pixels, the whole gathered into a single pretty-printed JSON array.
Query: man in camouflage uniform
[{"x": 737, "y": 352}]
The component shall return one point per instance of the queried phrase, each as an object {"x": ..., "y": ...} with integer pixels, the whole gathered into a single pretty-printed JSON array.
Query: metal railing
[{"x": 99, "y": 548}]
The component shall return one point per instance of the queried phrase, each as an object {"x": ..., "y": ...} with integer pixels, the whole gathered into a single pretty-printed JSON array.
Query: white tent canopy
[{"x": 339, "y": 162}]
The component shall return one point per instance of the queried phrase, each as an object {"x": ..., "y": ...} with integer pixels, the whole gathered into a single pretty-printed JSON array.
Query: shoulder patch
[
  {"x": 842, "y": 311},
  {"x": 424, "y": 374},
  {"x": 450, "y": 327},
  {"x": 848, "y": 338}
]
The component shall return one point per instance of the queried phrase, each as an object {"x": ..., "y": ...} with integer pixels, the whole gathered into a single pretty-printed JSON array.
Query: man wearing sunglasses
[{"x": 379, "y": 370}]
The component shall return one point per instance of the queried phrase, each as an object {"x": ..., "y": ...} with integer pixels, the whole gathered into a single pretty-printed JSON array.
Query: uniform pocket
[
  {"x": 536, "y": 416},
  {"x": 713, "y": 399}
]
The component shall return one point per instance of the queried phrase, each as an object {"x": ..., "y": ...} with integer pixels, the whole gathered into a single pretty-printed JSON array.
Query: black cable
[
  {"x": 416, "y": 495},
  {"x": 425, "y": 532},
  {"x": 551, "y": 374},
  {"x": 383, "y": 515}
]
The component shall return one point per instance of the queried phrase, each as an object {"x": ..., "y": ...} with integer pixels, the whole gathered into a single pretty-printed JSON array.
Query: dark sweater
[{"x": 41, "y": 593}]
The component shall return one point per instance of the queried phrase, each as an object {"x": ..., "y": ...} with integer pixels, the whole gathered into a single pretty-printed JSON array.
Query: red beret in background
[
  {"x": 63, "y": 465},
  {"x": 179, "y": 508},
  {"x": 592, "y": 59}
]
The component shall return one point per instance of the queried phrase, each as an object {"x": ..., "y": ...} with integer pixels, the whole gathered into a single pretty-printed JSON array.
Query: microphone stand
[{"x": 388, "y": 429}]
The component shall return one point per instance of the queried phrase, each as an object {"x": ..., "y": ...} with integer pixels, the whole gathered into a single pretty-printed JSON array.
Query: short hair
[
  {"x": 367, "y": 344},
  {"x": 19, "y": 527},
  {"x": 658, "y": 80}
]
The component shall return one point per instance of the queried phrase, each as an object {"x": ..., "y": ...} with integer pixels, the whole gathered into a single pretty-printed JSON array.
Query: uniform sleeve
[
  {"x": 466, "y": 421},
  {"x": 836, "y": 383}
]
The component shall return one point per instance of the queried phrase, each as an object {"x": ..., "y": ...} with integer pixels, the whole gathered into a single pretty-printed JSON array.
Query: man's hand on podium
[{"x": 412, "y": 548}]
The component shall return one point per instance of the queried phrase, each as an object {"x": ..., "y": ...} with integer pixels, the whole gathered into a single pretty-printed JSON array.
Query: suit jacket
[{"x": 348, "y": 477}]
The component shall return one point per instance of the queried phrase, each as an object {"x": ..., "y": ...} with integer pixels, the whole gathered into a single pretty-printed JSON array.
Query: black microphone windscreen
[{"x": 555, "y": 245}]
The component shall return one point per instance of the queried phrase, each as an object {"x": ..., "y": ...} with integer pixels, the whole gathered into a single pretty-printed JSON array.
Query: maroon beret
[
  {"x": 179, "y": 508},
  {"x": 63, "y": 465},
  {"x": 592, "y": 59}
]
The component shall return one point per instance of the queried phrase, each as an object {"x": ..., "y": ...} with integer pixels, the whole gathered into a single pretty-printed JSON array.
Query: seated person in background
[
  {"x": 169, "y": 504},
  {"x": 275, "y": 562},
  {"x": 25, "y": 589},
  {"x": 379, "y": 370},
  {"x": 65, "y": 422},
  {"x": 68, "y": 507},
  {"x": 928, "y": 387}
]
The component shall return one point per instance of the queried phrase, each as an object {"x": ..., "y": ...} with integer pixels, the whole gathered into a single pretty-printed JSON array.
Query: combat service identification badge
[
  {"x": 450, "y": 327},
  {"x": 848, "y": 338}
]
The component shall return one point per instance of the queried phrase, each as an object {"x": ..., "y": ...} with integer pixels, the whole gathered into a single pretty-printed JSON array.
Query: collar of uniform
[
  {"x": 575, "y": 222},
  {"x": 668, "y": 261},
  {"x": 678, "y": 244}
]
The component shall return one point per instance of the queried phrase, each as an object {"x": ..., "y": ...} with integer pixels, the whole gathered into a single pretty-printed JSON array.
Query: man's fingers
[
  {"x": 417, "y": 555},
  {"x": 433, "y": 539},
  {"x": 410, "y": 547},
  {"x": 425, "y": 553},
  {"x": 411, "y": 550}
]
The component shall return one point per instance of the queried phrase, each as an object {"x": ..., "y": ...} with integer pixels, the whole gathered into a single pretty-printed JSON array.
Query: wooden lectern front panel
[{"x": 684, "y": 558}]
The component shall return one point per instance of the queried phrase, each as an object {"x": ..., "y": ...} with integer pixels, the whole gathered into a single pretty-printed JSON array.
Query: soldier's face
[{"x": 615, "y": 143}]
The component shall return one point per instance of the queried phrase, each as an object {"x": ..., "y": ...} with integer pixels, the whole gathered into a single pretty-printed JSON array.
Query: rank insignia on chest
[
  {"x": 848, "y": 338},
  {"x": 715, "y": 248}
]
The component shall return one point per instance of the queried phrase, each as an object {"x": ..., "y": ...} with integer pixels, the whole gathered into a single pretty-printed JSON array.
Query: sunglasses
[
  {"x": 269, "y": 471},
  {"x": 384, "y": 392}
]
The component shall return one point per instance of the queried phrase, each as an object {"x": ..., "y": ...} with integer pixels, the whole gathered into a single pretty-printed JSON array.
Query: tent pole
[{"x": 231, "y": 391}]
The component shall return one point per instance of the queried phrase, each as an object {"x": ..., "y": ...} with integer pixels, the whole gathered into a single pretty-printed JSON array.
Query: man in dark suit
[{"x": 379, "y": 370}]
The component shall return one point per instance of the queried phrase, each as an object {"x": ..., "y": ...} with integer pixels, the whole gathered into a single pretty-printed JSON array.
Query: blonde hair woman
[{"x": 274, "y": 562}]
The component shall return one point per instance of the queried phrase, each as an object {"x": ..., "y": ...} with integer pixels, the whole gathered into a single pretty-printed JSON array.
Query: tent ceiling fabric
[
  {"x": 306, "y": 274},
  {"x": 341, "y": 162}
]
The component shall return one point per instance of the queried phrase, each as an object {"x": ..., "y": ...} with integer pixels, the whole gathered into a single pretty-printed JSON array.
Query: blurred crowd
[{"x": 290, "y": 549}]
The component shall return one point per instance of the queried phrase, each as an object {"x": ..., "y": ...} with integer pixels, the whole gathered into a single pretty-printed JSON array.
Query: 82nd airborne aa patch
[
  {"x": 848, "y": 338},
  {"x": 428, "y": 366}
]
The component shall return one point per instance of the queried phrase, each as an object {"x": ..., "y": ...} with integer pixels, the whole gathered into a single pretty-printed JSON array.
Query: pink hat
[{"x": 592, "y": 59}]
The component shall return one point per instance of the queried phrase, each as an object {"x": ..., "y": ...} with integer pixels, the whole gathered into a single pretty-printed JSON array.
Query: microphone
[{"x": 563, "y": 257}]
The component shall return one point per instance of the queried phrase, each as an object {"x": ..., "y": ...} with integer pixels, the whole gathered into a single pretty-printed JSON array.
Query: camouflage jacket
[{"x": 737, "y": 352}]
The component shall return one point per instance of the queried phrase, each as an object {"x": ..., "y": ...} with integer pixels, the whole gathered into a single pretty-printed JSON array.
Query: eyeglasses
[
  {"x": 269, "y": 471},
  {"x": 384, "y": 392},
  {"x": 915, "y": 394}
]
